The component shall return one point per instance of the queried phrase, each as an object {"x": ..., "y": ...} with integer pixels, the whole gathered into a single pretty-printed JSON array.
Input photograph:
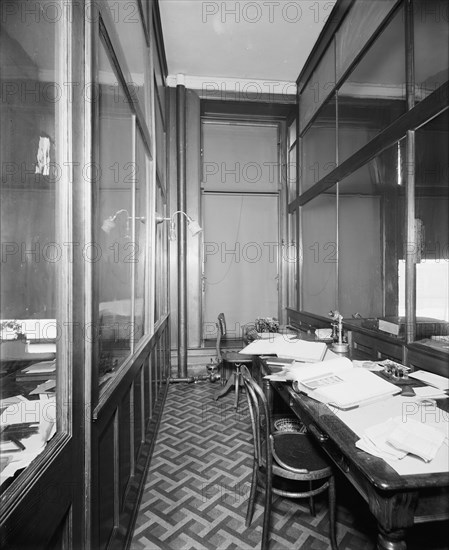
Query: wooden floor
[{"x": 195, "y": 496}]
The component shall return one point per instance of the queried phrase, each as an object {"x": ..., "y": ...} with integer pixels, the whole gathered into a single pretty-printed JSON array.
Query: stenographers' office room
[{"x": 224, "y": 275}]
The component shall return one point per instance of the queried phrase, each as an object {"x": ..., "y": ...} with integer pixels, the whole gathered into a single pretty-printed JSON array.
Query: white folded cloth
[{"x": 397, "y": 437}]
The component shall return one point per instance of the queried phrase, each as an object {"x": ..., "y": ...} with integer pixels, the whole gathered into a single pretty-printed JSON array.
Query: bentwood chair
[
  {"x": 285, "y": 463},
  {"x": 230, "y": 363}
]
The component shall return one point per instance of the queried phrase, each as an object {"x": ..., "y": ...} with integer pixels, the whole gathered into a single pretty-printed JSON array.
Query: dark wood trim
[
  {"x": 326, "y": 36},
  {"x": 265, "y": 108},
  {"x": 306, "y": 321},
  {"x": 159, "y": 38},
  {"x": 410, "y": 251},
  {"x": 426, "y": 109},
  {"x": 146, "y": 30}
]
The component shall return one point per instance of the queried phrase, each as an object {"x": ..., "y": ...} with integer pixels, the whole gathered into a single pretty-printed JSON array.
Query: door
[
  {"x": 240, "y": 260},
  {"x": 240, "y": 205}
]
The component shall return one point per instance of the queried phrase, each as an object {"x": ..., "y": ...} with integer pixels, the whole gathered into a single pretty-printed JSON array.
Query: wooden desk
[{"x": 397, "y": 502}]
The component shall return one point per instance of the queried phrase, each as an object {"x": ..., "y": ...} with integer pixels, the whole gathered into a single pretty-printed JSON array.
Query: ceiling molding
[{"x": 212, "y": 86}]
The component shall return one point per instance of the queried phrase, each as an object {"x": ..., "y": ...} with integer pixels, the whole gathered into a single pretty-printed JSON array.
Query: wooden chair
[
  {"x": 282, "y": 459},
  {"x": 230, "y": 363}
]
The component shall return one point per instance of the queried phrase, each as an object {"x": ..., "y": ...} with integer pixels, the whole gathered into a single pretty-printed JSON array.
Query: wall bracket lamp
[
  {"x": 193, "y": 226},
  {"x": 110, "y": 223}
]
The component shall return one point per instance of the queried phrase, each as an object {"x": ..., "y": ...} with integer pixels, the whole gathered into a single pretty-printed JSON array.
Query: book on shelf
[{"x": 425, "y": 326}]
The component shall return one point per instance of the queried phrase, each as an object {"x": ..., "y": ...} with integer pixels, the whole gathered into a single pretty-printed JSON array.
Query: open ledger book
[{"x": 337, "y": 383}]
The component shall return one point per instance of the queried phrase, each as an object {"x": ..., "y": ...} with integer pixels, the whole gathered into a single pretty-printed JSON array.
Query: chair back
[
  {"x": 260, "y": 415},
  {"x": 221, "y": 333}
]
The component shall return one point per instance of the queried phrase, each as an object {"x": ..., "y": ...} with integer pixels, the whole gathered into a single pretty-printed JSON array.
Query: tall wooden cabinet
[{"x": 84, "y": 341}]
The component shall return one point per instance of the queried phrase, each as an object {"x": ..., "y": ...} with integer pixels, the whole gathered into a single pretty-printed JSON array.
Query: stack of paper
[
  {"x": 440, "y": 382},
  {"x": 396, "y": 438},
  {"x": 429, "y": 392},
  {"x": 284, "y": 346}
]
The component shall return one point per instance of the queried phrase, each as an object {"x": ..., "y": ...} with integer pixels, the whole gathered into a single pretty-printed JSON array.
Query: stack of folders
[
  {"x": 337, "y": 383},
  {"x": 397, "y": 437}
]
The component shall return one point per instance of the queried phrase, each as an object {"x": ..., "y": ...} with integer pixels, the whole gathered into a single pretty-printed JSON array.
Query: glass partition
[
  {"x": 115, "y": 216},
  {"x": 318, "y": 88},
  {"x": 125, "y": 16},
  {"x": 32, "y": 194},
  {"x": 292, "y": 172},
  {"x": 318, "y": 253},
  {"x": 319, "y": 147},
  {"x": 373, "y": 95},
  {"x": 431, "y": 51},
  {"x": 160, "y": 276},
  {"x": 141, "y": 229},
  {"x": 363, "y": 20},
  {"x": 291, "y": 259},
  {"x": 432, "y": 227},
  {"x": 370, "y": 236}
]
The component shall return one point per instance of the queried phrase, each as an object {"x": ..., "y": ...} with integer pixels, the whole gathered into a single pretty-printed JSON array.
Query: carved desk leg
[
  {"x": 395, "y": 514},
  {"x": 391, "y": 541}
]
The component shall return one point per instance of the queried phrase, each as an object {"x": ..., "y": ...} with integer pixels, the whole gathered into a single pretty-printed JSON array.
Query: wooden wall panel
[
  {"x": 124, "y": 460},
  {"x": 106, "y": 482},
  {"x": 147, "y": 391},
  {"x": 137, "y": 414}
]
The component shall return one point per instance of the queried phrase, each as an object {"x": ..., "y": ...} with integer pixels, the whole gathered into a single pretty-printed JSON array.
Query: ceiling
[{"x": 245, "y": 41}]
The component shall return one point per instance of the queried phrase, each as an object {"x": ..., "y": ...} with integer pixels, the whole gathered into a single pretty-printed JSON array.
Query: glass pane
[
  {"x": 431, "y": 36},
  {"x": 319, "y": 147},
  {"x": 371, "y": 199},
  {"x": 116, "y": 172},
  {"x": 160, "y": 292},
  {"x": 291, "y": 258},
  {"x": 130, "y": 30},
  {"x": 292, "y": 133},
  {"x": 159, "y": 79},
  {"x": 318, "y": 88},
  {"x": 292, "y": 174},
  {"x": 160, "y": 140},
  {"x": 30, "y": 197},
  {"x": 373, "y": 95},
  {"x": 319, "y": 254},
  {"x": 140, "y": 240},
  {"x": 240, "y": 157},
  {"x": 432, "y": 215},
  {"x": 363, "y": 19}
]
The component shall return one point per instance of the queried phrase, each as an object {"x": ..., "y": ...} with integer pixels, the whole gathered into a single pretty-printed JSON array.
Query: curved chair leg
[
  {"x": 224, "y": 390},
  {"x": 252, "y": 496},
  {"x": 237, "y": 386},
  {"x": 311, "y": 502},
  {"x": 332, "y": 519},
  {"x": 267, "y": 515}
]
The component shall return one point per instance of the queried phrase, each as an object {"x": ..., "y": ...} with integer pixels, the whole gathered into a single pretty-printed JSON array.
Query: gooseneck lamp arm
[
  {"x": 110, "y": 222},
  {"x": 193, "y": 226}
]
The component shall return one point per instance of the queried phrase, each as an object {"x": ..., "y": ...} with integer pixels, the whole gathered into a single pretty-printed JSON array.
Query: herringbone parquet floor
[{"x": 195, "y": 495}]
